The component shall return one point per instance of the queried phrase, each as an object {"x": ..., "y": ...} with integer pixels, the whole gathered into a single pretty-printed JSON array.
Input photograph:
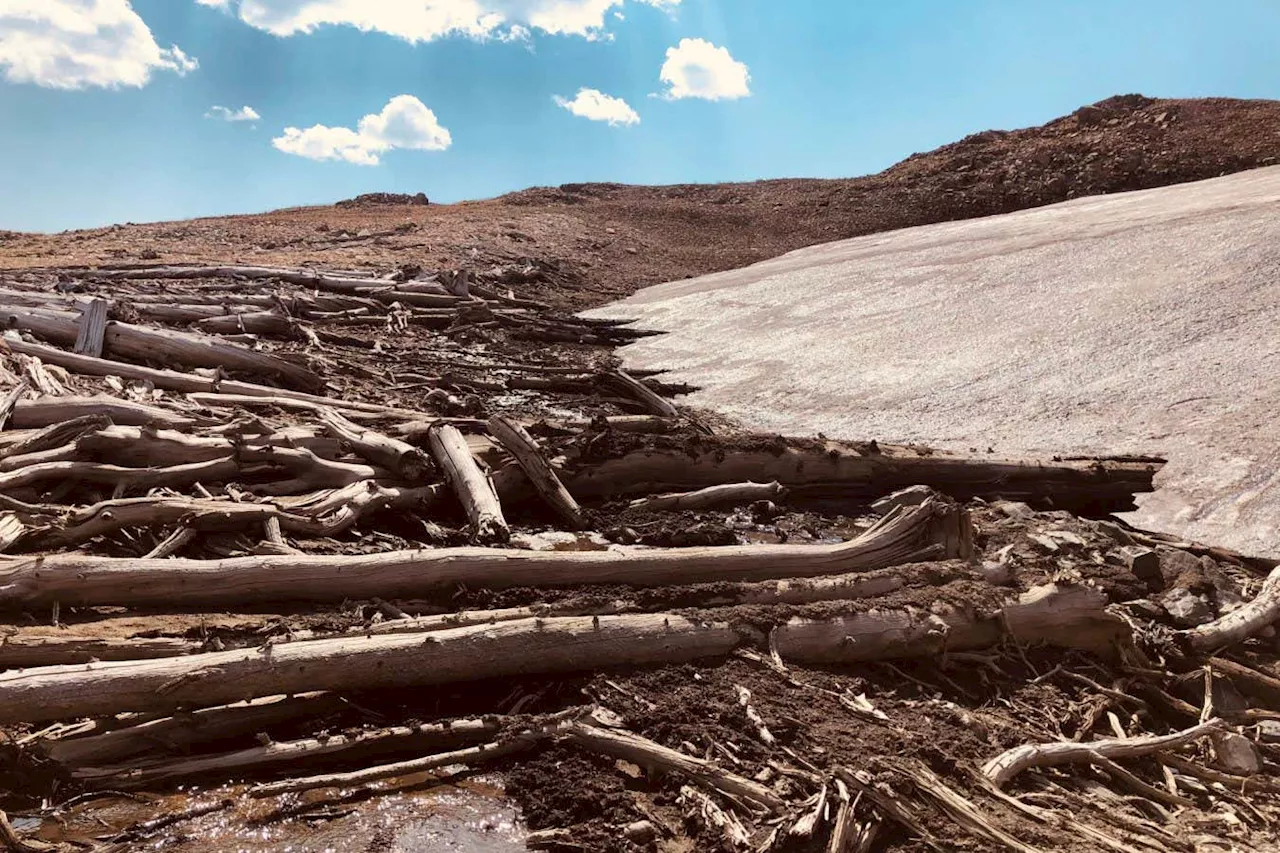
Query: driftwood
[
  {"x": 378, "y": 742},
  {"x": 474, "y": 490},
  {"x": 1001, "y": 769},
  {"x": 1239, "y": 624},
  {"x": 53, "y": 411},
  {"x": 177, "y": 734},
  {"x": 637, "y": 390},
  {"x": 82, "y": 579},
  {"x": 401, "y": 458},
  {"x": 10, "y": 399},
  {"x": 813, "y": 470},
  {"x": 524, "y": 449},
  {"x": 124, "y": 340},
  {"x": 93, "y": 328},
  {"x": 728, "y": 494},
  {"x": 57, "y": 435},
  {"x": 146, "y": 447},
  {"x": 24, "y": 649}
]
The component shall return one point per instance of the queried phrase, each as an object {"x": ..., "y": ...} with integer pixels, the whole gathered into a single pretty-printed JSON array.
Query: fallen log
[
  {"x": 124, "y": 445},
  {"x": 474, "y": 490},
  {"x": 10, "y": 399},
  {"x": 400, "y": 458},
  {"x": 1239, "y": 624},
  {"x": 84, "y": 580},
  {"x": 177, "y": 734},
  {"x": 1001, "y": 769},
  {"x": 45, "y": 412},
  {"x": 728, "y": 494},
  {"x": 23, "y": 649},
  {"x": 363, "y": 745},
  {"x": 173, "y": 380},
  {"x": 634, "y": 388},
  {"x": 828, "y": 470},
  {"x": 522, "y": 446},
  {"x": 57, "y": 435},
  {"x": 124, "y": 340}
]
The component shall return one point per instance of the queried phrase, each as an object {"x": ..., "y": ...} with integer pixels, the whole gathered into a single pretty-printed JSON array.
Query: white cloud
[
  {"x": 425, "y": 20},
  {"x": 696, "y": 68},
  {"x": 75, "y": 44},
  {"x": 597, "y": 106},
  {"x": 405, "y": 122},
  {"x": 242, "y": 114}
]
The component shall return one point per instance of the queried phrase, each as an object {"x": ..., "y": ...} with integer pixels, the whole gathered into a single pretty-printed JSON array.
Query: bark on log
[
  {"x": 87, "y": 580},
  {"x": 813, "y": 470},
  {"x": 1241, "y": 623},
  {"x": 524, "y": 449},
  {"x": 400, "y": 458},
  {"x": 173, "y": 380},
  {"x": 730, "y": 493},
  {"x": 1010, "y": 763},
  {"x": 139, "y": 343},
  {"x": 177, "y": 734},
  {"x": 473, "y": 488}
]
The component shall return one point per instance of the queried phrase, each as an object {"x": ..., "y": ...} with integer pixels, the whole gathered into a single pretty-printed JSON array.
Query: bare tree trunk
[
  {"x": 524, "y": 449},
  {"x": 51, "y": 411},
  {"x": 93, "y": 328},
  {"x": 401, "y": 458},
  {"x": 730, "y": 493},
  {"x": 80, "y": 579},
  {"x": 472, "y": 487}
]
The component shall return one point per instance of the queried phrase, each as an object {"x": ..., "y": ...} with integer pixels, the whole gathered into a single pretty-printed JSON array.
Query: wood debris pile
[{"x": 309, "y": 532}]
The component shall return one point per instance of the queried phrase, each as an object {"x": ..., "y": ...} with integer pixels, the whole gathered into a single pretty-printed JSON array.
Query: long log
[
  {"x": 731, "y": 493},
  {"x": 829, "y": 470},
  {"x": 89, "y": 580},
  {"x": 404, "y": 460},
  {"x": 173, "y": 380},
  {"x": 23, "y": 649},
  {"x": 139, "y": 343},
  {"x": 474, "y": 490},
  {"x": 50, "y": 411},
  {"x": 526, "y": 647}
]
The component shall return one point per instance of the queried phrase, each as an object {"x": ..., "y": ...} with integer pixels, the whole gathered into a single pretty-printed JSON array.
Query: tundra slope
[{"x": 1143, "y": 323}]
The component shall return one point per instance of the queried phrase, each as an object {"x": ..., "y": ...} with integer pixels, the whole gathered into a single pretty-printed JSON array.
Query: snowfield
[{"x": 1145, "y": 322}]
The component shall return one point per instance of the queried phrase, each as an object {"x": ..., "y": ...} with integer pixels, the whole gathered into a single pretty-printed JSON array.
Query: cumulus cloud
[
  {"x": 75, "y": 44},
  {"x": 425, "y": 20},
  {"x": 227, "y": 114},
  {"x": 696, "y": 68},
  {"x": 597, "y": 106},
  {"x": 405, "y": 122}
]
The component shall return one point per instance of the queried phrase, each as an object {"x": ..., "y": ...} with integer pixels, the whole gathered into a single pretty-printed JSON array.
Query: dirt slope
[{"x": 600, "y": 241}]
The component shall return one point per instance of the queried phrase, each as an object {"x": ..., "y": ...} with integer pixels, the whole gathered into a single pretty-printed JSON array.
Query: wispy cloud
[
  {"x": 226, "y": 114},
  {"x": 77, "y": 44},
  {"x": 696, "y": 68},
  {"x": 597, "y": 106},
  {"x": 405, "y": 122},
  {"x": 426, "y": 20}
]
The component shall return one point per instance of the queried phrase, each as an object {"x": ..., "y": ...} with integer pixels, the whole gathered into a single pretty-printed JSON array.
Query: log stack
[{"x": 430, "y": 512}]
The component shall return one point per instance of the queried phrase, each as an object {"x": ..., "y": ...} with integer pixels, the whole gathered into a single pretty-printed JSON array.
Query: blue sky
[{"x": 105, "y": 105}]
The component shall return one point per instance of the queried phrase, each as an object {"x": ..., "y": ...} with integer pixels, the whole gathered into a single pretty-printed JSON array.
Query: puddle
[{"x": 469, "y": 816}]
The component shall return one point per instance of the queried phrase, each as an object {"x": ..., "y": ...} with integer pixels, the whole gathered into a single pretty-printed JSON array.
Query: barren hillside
[{"x": 594, "y": 242}]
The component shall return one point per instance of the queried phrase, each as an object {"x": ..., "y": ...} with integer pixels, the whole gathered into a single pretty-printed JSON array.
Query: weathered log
[
  {"x": 177, "y": 734},
  {"x": 173, "y": 380},
  {"x": 56, "y": 435},
  {"x": 376, "y": 743},
  {"x": 124, "y": 445},
  {"x": 636, "y": 389},
  {"x": 252, "y": 323},
  {"x": 822, "y": 470},
  {"x": 1010, "y": 763},
  {"x": 66, "y": 453},
  {"x": 215, "y": 400},
  {"x": 1239, "y": 624},
  {"x": 124, "y": 479},
  {"x": 25, "y": 649},
  {"x": 82, "y": 579},
  {"x": 51, "y": 411},
  {"x": 124, "y": 340},
  {"x": 730, "y": 493},
  {"x": 474, "y": 490},
  {"x": 10, "y": 399},
  {"x": 524, "y": 449},
  {"x": 571, "y": 644},
  {"x": 400, "y": 458},
  {"x": 93, "y": 328}
]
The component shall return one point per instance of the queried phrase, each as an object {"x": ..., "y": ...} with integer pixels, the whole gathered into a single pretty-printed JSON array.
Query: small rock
[
  {"x": 1016, "y": 509},
  {"x": 1066, "y": 537},
  {"x": 1186, "y": 608},
  {"x": 996, "y": 572},
  {"x": 640, "y": 832},
  {"x": 1115, "y": 531},
  {"x": 1269, "y": 731},
  {"x": 1044, "y": 542},
  {"x": 1143, "y": 562},
  {"x": 1235, "y": 754},
  {"x": 910, "y": 496}
]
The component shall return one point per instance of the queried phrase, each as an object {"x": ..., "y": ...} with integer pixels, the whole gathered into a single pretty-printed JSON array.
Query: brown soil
[{"x": 591, "y": 243}]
